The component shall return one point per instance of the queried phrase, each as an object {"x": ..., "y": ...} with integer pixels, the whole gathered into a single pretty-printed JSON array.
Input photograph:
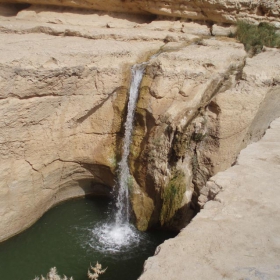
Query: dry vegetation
[{"x": 93, "y": 273}]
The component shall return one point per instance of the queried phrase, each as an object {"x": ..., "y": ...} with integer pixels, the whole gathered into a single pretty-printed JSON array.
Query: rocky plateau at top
[{"x": 218, "y": 11}]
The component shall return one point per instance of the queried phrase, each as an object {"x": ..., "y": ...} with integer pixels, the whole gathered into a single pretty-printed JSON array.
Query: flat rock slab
[{"x": 236, "y": 236}]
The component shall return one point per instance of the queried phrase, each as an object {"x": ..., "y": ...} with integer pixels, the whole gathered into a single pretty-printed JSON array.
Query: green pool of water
[{"x": 64, "y": 237}]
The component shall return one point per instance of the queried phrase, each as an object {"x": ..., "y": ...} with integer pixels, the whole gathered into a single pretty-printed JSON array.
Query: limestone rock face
[
  {"x": 206, "y": 10},
  {"x": 64, "y": 76},
  {"x": 198, "y": 107},
  {"x": 178, "y": 85},
  {"x": 236, "y": 236},
  {"x": 62, "y": 106},
  {"x": 241, "y": 114}
]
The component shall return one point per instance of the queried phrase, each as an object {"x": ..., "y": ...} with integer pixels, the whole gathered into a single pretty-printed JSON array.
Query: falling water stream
[
  {"x": 119, "y": 233},
  {"x": 122, "y": 215}
]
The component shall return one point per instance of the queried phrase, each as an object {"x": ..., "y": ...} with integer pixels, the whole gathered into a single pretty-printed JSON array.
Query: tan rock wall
[
  {"x": 198, "y": 107},
  {"x": 178, "y": 85},
  {"x": 236, "y": 236},
  {"x": 241, "y": 115},
  {"x": 214, "y": 10},
  {"x": 63, "y": 94},
  {"x": 62, "y": 104}
]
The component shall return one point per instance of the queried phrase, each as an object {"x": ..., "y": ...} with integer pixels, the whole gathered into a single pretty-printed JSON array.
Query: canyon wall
[
  {"x": 220, "y": 11},
  {"x": 236, "y": 235},
  {"x": 198, "y": 107},
  {"x": 64, "y": 77},
  {"x": 62, "y": 109}
]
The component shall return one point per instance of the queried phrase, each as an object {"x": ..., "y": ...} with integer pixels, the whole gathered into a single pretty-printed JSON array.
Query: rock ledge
[{"x": 237, "y": 235}]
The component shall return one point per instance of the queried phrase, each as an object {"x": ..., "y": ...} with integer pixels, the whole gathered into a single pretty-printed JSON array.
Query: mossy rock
[{"x": 172, "y": 197}]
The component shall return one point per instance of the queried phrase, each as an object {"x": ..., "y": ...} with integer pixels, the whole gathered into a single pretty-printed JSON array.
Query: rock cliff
[
  {"x": 221, "y": 11},
  {"x": 62, "y": 108},
  {"x": 199, "y": 106},
  {"x": 64, "y": 76},
  {"x": 62, "y": 105},
  {"x": 237, "y": 235}
]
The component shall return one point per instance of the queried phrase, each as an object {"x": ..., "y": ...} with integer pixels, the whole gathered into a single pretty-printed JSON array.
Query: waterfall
[
  {"x": 122, "y": 215},
  {"x": 118, "y": 235}
]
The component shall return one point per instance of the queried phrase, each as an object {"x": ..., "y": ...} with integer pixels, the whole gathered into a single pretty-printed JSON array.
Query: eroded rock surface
[
  {"x": 62, "y": 106},
  {"x": 206, "y": 10},
  {"x": 240, "y": 115},
  {"x": 198, "y": 107},
  {"x": 64, "y": 76},
  {"x": 236, "y": 236},
  {"x": 178, "y": 84}
]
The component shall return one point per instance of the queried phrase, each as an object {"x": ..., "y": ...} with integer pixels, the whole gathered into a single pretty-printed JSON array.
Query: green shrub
[{"x": 254, "y": 37}]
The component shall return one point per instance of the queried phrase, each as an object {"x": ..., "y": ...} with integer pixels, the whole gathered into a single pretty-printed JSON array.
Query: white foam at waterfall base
[
  {"x": 109, "y": 237},
  {"x": 118, "y": 235}
]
